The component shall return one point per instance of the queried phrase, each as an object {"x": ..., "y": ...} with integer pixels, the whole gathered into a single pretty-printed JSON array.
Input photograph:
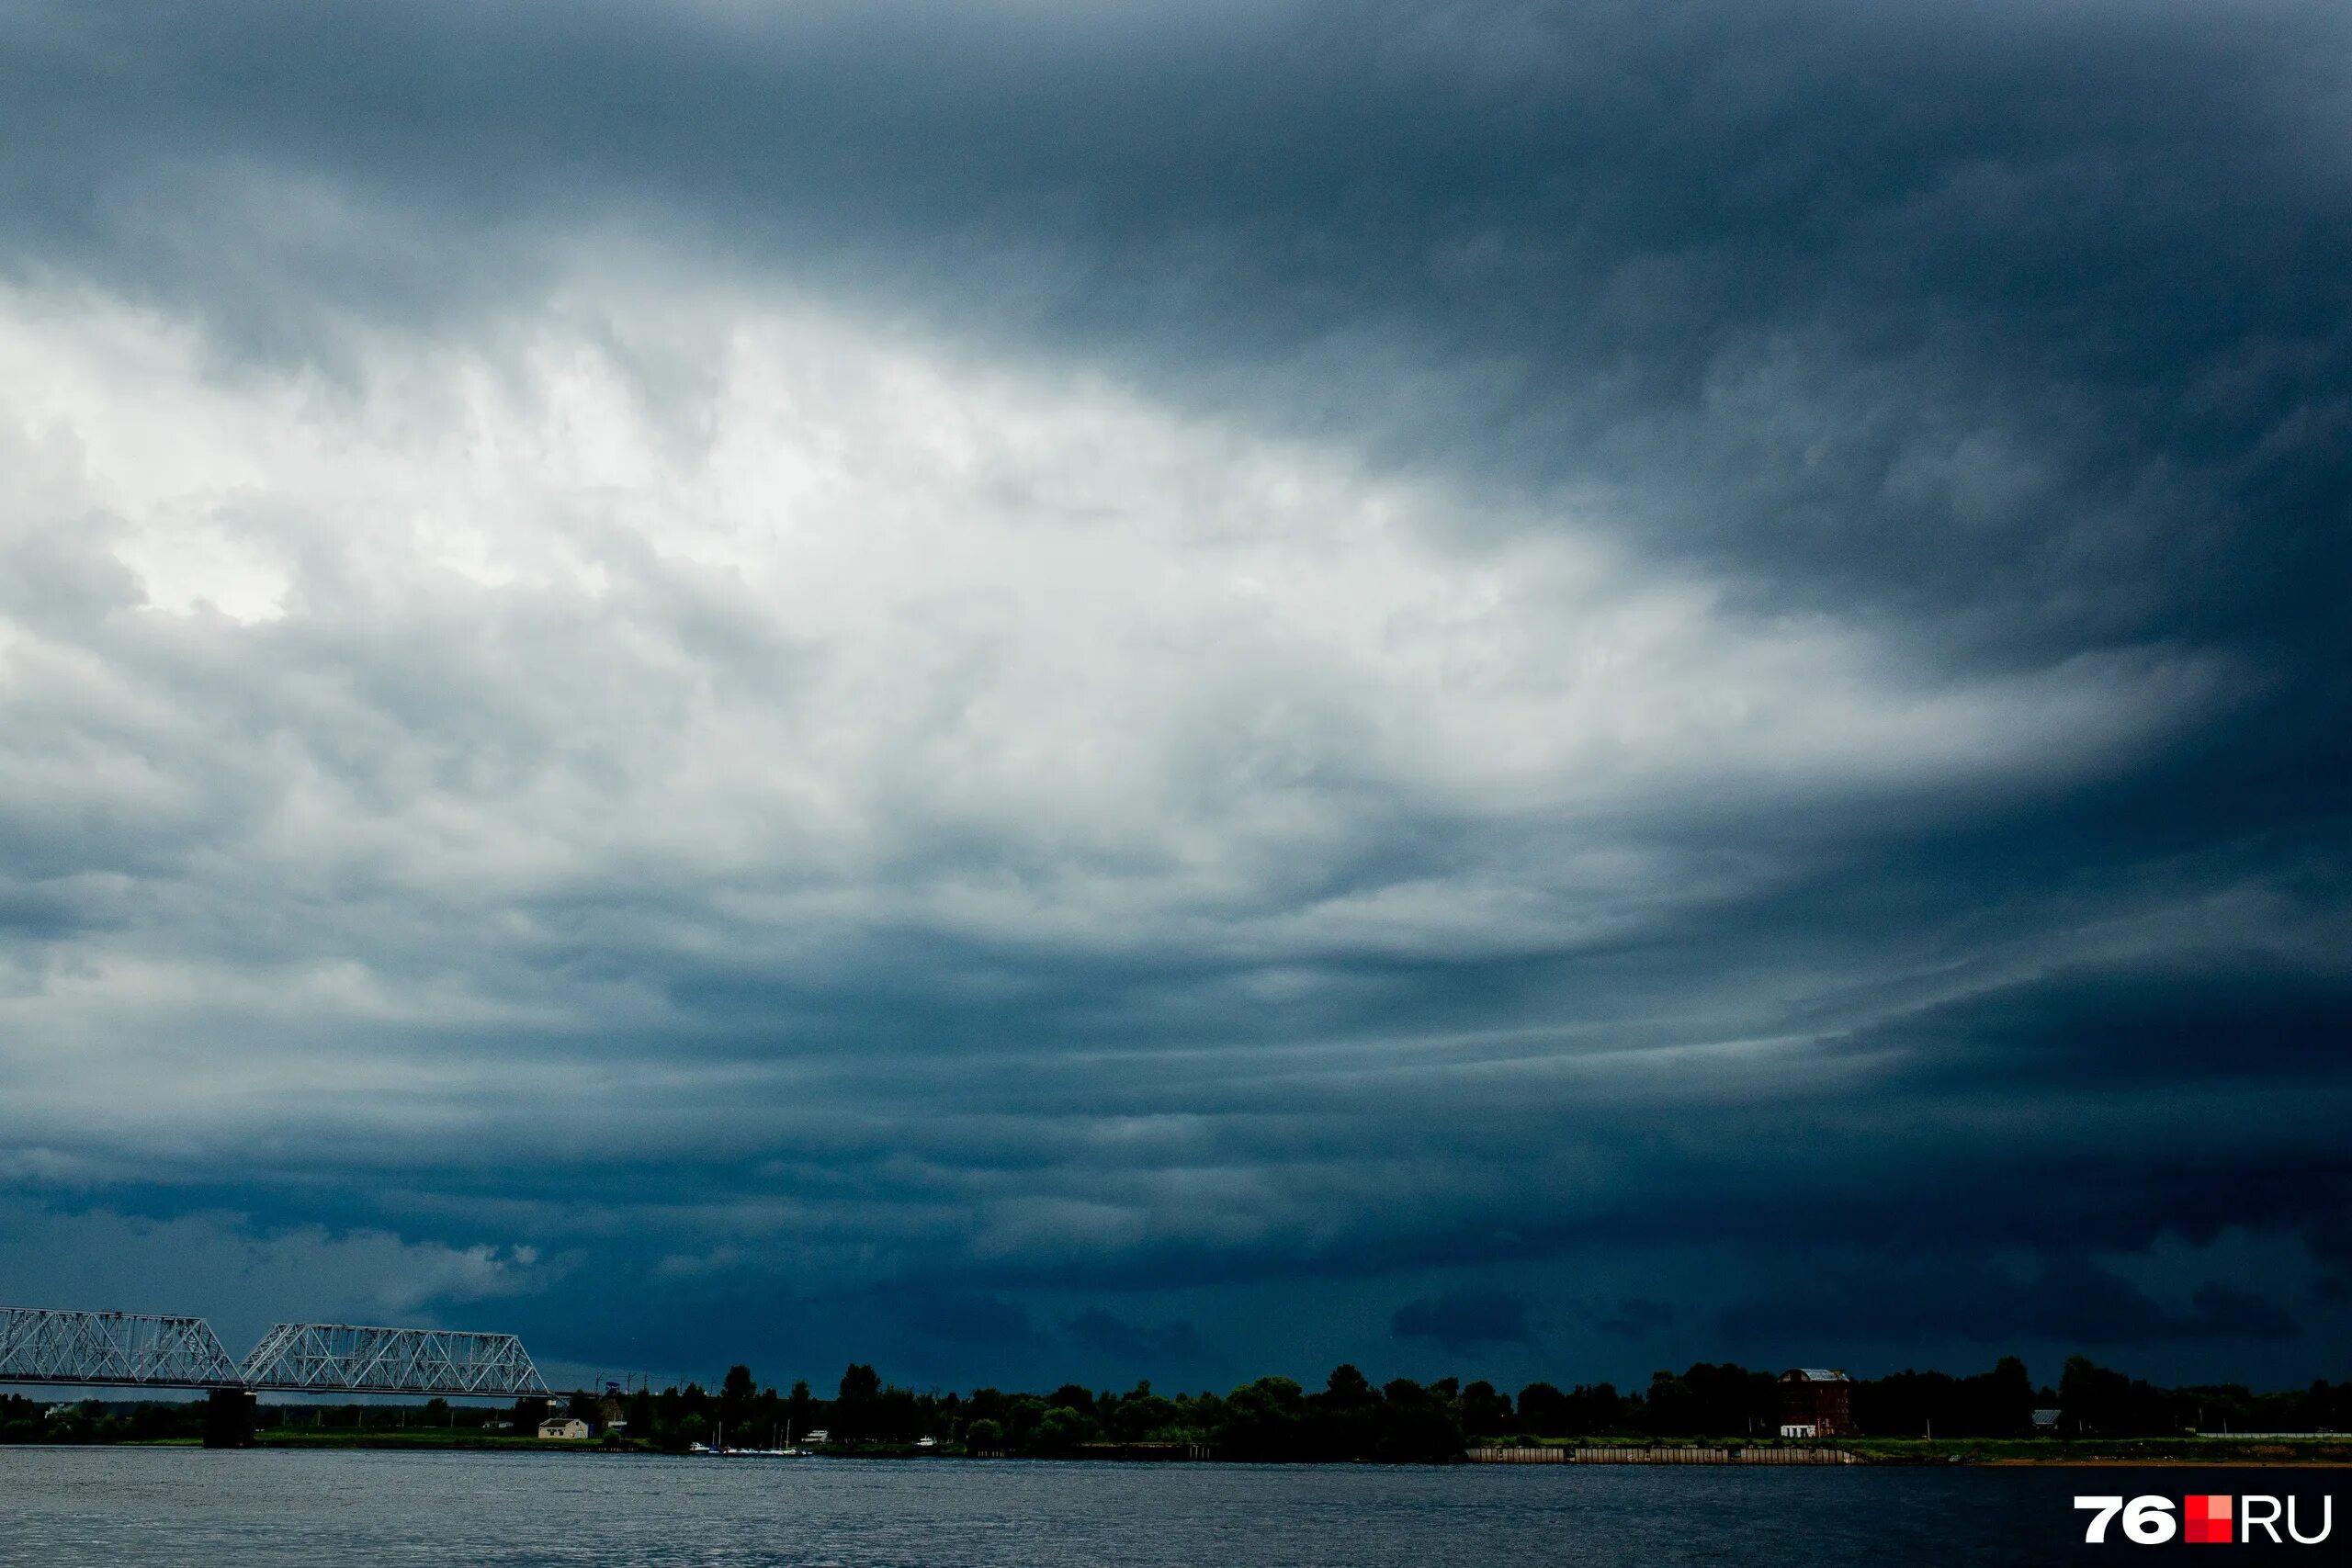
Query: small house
[{"x": 570, "y": 1429}]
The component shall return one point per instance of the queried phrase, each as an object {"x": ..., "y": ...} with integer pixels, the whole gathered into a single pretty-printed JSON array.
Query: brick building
[{"x": 1816, "y": 1402}]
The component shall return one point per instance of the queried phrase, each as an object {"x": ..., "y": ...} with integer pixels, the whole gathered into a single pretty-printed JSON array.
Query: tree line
[
  {"x": 1352, "y": 1418},
  {"x": 1275, "y": 1418}
]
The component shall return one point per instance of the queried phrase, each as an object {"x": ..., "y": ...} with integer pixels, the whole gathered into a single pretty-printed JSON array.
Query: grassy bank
[
  {"x": 2336, "y": 1451},
  {"x": 2095, "y": 1451}
]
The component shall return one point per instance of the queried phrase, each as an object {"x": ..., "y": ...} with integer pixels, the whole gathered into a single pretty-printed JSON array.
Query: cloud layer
[{"x": 1144, "y": 688}]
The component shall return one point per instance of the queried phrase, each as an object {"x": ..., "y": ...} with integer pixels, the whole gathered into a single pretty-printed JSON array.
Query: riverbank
[
  {"x": 2152, "y": 1452},
  {"x": 420, "y": 1438},
  {"x": 437, "y": 1439},
  {"x": 2140, "y": 1452},
  {"x": 2334, "y": 1452}
]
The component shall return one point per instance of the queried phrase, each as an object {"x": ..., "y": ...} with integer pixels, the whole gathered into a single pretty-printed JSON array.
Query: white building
[{"x": 572, "y": 1428}]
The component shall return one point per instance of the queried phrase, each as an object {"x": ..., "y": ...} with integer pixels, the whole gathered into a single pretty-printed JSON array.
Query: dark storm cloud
[
  {"x": 1126, "y": 1344},
  {"x": 2233, "y": 1018},
  {"x": 2070, "y": 1303},
  {"x": 1994, "y": 317},
  {"x": 2014, "y": 334},
  {"x": 1464, "y": 1320},
  {"x": 1632, "y": 1317}
]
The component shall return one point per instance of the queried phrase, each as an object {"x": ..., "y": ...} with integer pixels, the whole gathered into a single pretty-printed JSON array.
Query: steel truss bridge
[{"x": 125, "y": 1350}]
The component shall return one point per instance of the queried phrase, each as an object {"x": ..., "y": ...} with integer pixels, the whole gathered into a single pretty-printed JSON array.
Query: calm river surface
[{"x": 135, "y": 1507}]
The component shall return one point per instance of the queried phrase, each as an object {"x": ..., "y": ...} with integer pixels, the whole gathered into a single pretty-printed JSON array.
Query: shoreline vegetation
[{"x": 1708, "y": 1413}]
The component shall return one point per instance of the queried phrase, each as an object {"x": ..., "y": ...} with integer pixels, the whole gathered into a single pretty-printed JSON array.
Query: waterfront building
[{"x": 1816, "y": 1402}]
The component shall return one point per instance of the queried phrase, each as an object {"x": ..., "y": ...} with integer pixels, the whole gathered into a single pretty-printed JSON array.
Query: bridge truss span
[
  {"x": 340, "y": 1358},
  {"x": 130, "y": 1350},
  {"x": 111, "y": 1349}
]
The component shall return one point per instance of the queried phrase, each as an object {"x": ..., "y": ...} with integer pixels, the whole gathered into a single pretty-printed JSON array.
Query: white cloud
[{"x": 694, "y": 629}]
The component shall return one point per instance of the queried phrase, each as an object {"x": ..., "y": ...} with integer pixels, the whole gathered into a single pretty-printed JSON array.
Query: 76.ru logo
[{"x": 2205, "y": 1519}]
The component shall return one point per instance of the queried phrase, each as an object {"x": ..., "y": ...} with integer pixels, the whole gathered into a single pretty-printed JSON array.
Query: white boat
[{"x": 785, "y": 1451}]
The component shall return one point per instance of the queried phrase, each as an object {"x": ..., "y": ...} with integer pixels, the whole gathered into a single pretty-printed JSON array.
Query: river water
[{"x": 173, "y": 1507}]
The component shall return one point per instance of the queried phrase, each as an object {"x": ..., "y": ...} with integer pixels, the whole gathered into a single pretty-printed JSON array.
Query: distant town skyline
[{"x": 1512, "y": 690}]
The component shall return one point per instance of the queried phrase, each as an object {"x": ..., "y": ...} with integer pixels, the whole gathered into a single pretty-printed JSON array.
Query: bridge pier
[{"x": 230, "y": 1415}]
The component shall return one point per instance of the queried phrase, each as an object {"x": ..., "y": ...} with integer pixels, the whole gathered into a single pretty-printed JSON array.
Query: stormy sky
[{"x": 1038, "y": 689}]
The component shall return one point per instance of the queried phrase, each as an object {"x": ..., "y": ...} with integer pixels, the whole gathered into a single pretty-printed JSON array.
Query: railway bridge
[{"x": 41, "y": 1346}]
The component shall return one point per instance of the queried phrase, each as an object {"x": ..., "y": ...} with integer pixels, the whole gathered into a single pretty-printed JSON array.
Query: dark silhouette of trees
[
  {"x": 852, "y": 1418},
  {"x": 1418, "y": 1424},
  {"x": 1274, "y": 1419},
  {"x": 1998, "y": 1403},
  {"x": 1591, "y": 1410},
  {"x": 1143, "y": 1415},
  {"x": 801, "y": 1410},
  {"x": 1484, "y": 1410},
  {"x": 1059, "y": 1432},
  {"x": 1262, "y": 1419},
  {"x": 1349, "y": 1414},
  {"x": 738, "y": 1393},
  {"x": 2094, "y": 1400}
]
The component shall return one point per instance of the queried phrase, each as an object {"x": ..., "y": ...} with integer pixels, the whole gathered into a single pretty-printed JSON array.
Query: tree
[
  {"x": 1348, "y": 1389},
  {"x": 737, "y": 1394},
  {"x": 1998, "y": 1403},
  {"x": 1140, "y": 1415},
  {"x": 1262, "y": 1419},
  {"x": 1419, "y": 1426},
  {"x": 1544, "y": 1410},
  {"x": 1485, "y": 1412},
  {"x": 2094, "y": 1399},
  {"x": 801, "y": 1409},
  {"x": 1345, "y": 1418},
  {"x": 895, "y": 1416},
  {"x": 1059, "y": 1432},
  {"x": 1671, "y": 1407},
  {"x": 852, "y": 1416},
  {"x": 2003, "y": 1403},
  {"x": 1606, "y": 1410}
]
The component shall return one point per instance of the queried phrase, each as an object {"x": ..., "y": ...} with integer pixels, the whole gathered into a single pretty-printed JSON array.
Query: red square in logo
[{"x": 2206, "y": 1519}]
